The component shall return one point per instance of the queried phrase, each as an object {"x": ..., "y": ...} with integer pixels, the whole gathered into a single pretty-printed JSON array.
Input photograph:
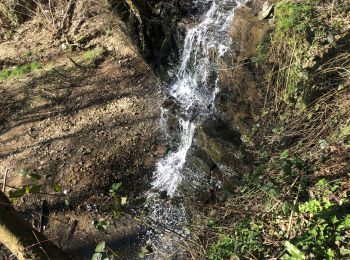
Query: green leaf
[
  {"x": 34, "y": 189},
  {"x": 123, "y": 201},
  {"x": 298, "y": 163},
  {"x": 24, "y": 172},
  {"x": 102, "y": 224},
  {"x": 330, "y": 39},
  {"x": 143, "y": 252},
  {"x": 34, "y": 176},
  {"x": 100, "y": 248},
  {"x": 287, "y": 257},
  {"x": 287, "y": 169},
  {"x": 294, "y": 251},
  {"x": 284, "y": 154},
  {"x": 16, "y": 194},
  {"x": 97, "y": 256},
  {"x": 57, "y": 187},
  {"x": 211, "y": 223},
  {"x": 115, "y": 187},
  {"x": 344, "y": 251}
]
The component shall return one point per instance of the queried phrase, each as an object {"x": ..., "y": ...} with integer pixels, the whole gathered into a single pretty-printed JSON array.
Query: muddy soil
[{"x": 87, "y": 118}]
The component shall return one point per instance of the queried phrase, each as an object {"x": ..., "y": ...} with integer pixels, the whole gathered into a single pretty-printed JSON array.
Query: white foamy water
[
  {"x": 194, "y": 90},
  {"x": 195, "y": 86}
]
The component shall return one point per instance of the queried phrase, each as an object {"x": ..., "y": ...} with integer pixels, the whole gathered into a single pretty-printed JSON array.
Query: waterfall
[
  {"x": 193, "y": 90},
  {"x": 195, "y": 86}
]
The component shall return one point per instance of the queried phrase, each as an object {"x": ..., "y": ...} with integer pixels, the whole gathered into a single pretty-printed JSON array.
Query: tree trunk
[{"x": 22, "y": 239}]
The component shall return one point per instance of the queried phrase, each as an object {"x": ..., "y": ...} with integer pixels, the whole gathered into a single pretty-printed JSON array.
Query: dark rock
[{"x": 222, "y": 143}]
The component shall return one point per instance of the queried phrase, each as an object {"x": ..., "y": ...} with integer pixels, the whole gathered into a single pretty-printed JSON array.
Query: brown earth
[{"x": 83, "y": 120}]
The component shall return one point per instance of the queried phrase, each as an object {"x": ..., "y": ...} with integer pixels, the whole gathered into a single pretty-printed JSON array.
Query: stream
[{"x": 193, "y": 91}]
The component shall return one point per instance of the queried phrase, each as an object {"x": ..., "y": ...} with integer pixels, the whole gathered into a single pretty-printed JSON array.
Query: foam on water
[{"x": 195, "y": 86}]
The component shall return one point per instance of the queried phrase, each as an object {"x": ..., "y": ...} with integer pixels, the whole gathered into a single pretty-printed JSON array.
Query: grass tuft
[{"x": 19, "y": 70}]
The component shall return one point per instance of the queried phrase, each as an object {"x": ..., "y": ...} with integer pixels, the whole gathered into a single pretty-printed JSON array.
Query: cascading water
[
  {"x": 196, "y": 85},
  {"x": 194, "y": 92}
]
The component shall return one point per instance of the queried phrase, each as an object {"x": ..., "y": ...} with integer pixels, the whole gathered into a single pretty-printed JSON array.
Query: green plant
[
  {"x": 325, "y": 222},
  {"x": 101, "y": 252},
  {"x": 261, "y": 54},
  {"x": 19, "y": 71},
  {"x": 102, "y": 224},
  {"x": 247, "y": 239},
  {"x": 32, "y": 187},
  {"x": 290, "y": 19},
  {"x": 294, "y": 252},
  {"x": 118, "y": 200},
  {"x": 90, "y": 55}
]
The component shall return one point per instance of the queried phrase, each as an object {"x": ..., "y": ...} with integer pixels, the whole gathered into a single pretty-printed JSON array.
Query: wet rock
[
  {"x": 222, "y": 144},
  {"x": 198, "y": 157},
  {"x": 266, "y": 10},
  {"x": 239, "y": 98}
]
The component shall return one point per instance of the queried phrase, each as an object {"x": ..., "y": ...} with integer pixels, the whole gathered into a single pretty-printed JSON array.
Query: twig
[
  {"x": 4, "y": 182},
  {"x": 42, "y": 217},
  {"x": 41, "y": 247},
  {"x": 72, "y": 229},
  {"x": 76, "y": 64}
]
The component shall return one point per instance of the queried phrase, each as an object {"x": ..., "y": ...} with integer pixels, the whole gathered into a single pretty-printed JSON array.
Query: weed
[
  {"x": 261, "y": 54},
  {"x": 327, "y": 223},
  {"x": 247, "y": 239},
  {"x": 92, "y": 54},
  {"x": 290, "y": 19},
  {"x": 19, "y": 71}
]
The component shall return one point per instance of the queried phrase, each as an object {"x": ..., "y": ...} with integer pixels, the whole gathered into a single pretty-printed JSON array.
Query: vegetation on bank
[
  {"x": 294, "y": 204},
  {"x": 19, "y": 70}
]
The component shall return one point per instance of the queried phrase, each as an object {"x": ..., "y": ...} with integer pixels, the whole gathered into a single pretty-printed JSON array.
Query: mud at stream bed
[{"x": 82, "y": 121}]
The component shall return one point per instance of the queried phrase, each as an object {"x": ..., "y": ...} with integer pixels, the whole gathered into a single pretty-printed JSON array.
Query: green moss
[
  {"x": 19, "y": 71},
  {"x": 261, "y": 54},
  {"x": 90, "y": 55}
]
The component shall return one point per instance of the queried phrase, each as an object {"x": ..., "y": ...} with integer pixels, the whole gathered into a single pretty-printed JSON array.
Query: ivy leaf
[
  {"x": 97, "y": 256},
  {"x": 57, "y": 187},
  {"x": 100, "y": 248}
]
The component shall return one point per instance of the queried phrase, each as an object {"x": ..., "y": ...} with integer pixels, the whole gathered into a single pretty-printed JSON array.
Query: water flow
[{"x": 195, "y": 86}]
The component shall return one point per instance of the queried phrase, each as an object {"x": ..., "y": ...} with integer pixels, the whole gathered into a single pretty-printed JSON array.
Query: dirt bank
[{"x": 85, "y": 117}]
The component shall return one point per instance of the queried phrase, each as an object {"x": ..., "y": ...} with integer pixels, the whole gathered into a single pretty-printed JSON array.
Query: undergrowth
[{"x": 294, "y": 204}]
